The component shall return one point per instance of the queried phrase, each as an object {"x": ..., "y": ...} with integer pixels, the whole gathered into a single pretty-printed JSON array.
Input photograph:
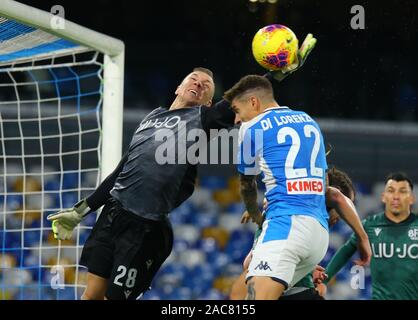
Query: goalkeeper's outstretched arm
[{"x": 305, "y": 49}]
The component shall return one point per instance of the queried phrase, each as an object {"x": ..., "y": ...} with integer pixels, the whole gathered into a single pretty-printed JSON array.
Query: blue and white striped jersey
[{"x": 287, "y": 148}]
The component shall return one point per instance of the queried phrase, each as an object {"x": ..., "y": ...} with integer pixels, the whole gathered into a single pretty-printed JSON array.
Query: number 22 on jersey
[{"x": 305, "y": 180}]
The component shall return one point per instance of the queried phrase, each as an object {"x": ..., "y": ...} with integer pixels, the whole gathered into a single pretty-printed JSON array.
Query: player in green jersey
[{"x": 393, "y": 236}]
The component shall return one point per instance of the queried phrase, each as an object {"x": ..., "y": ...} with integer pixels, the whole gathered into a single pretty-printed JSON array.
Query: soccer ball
[{"x": 275, "y": 47}]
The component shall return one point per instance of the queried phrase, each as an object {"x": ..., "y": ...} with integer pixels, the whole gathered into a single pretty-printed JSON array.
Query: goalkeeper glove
[
  {"x": 64, "y": 221},
  {"x": 303, "y": 53}
]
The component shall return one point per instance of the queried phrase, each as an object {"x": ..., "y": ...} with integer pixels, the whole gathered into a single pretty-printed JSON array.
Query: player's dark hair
[
  {"x": 399, "y": 176},
  {"x": 205, "y": 70},
  {"x": 246, "y": 83},
  {"x": 340, "y": 180}
]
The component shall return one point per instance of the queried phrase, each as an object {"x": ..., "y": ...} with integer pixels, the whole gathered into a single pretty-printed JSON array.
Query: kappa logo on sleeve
[{"x": 263, "y": 266}]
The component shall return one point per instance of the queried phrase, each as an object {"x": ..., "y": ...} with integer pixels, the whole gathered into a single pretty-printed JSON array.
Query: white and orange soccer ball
[{"x": 275, "y": 47}]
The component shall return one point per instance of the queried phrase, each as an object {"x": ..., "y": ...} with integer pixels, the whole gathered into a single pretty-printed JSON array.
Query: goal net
[{"x": 52, "y": 135}]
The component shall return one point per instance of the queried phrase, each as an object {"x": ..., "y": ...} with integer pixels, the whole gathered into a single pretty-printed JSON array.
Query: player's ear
[
  {"x": 237, "y": 119},
  {"x": 412, "y": 199},
  {"x": 382, "y": 197},
  {"x": 209, "y": 103},
  {"x": 255, "y": 103},
  {"x": 177, "y": 90}
]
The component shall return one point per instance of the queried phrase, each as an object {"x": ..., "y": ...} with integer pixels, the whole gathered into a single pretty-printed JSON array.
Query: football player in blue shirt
[{"x": 287, "y": 147}]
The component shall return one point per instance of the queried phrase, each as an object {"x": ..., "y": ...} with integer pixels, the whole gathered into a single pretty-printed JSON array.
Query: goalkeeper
[{"x": 133, "y": 235}]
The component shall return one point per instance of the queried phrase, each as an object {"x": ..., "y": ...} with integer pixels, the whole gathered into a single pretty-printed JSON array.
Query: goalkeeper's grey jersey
[{"x": 157, "y": 176}]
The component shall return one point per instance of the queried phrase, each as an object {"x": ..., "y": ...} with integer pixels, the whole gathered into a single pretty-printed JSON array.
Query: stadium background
[{"x": 361, "y": 85}]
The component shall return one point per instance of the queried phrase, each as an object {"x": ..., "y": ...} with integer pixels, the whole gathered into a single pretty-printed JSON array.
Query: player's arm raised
[
  {"x": 345, "y": 208},
  {"x": 248, "y": 188}
]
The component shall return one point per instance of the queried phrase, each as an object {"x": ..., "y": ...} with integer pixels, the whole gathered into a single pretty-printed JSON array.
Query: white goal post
[{"x": 61, "y": 103}]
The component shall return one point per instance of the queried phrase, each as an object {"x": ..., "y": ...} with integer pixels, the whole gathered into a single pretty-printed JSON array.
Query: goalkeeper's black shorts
[{"x": 127, "y": 250}]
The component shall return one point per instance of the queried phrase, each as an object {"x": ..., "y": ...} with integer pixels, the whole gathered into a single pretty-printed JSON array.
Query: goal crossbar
[
  {"x": 39, "y": 19},
  {"x": 85, "y": 39}
]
